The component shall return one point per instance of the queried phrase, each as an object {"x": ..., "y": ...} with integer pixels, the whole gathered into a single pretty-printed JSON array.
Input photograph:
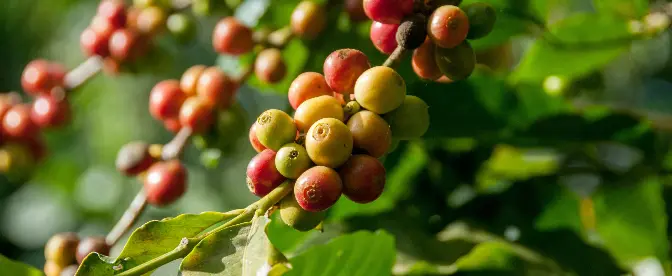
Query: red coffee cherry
[
  {"x": 355, "y": 10},
  {"x": 17, "y": 122},
  {"x": 370, "y": 133},
  {"x": 448, "y": 26},
  {"x": 388, "y": 11},
  {"x": 48, "y": 111},
  {"x": 196, "y": 114},
  {"x": 383, "y": 36},
  {"x": 306, "y": 86},
  {"x": 269, "y": 66},
  {"x": 215, "y": 88},
  {"x": 94, "y": 44},
  {"x": 173, "y": 125},
  {"x": 61, "y": 248},
  {"x": 102, "y": 26},
  {"x": 232, "y": 37},
  {"x": 134, "y": 158},
  {"x": 343, "y": 67},
  {"x": 91, "y": 244},
  {"x": 318, "y": 188},
  {"x": 308, "y": 19},
  {"x": 166, "y": 99},
  {"x": 165, "y": 182},
  {"x": 40, "y": 76},
  {"x": 125, "y": 45},
  {"x": 296, "y": 217},
  {"x": 262, "y": 175},
  {"x": 114, "y": 12},
  {"x": 363, "y": 178},
  {"x": 190, "y": 79},
  {"x": 254, "y": 141},
  {"x": 424, "y": 61}
]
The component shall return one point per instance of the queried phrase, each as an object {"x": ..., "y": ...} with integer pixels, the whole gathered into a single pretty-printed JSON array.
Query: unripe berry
[
  {"x": 482, "y": 17},
  {"x": 296, "y": 217},
  {"x": 370, "y": 133},
  {"x": 40, "y": 76},
  {"x": 254, "y": 141},
  {"x": 410, "y": 120},
  {"x": 383, "y": 36},
  {"x": 134, "y": 158},
  {"x": 380, "y": 89},
  {"x": 318, "y": 188},
  {"x": 343, "y": 67},
  {"x": 196, "y": 114},
  {"x": 190, "y": 78},
  {"x": 275, "y": 128},
  {"x": 306, "y": 86},
  {"x": 232, "y": 37},
  {"x": 363, "y": 178},
  {"x": 151, "y": 20},
  {"x": 91, "y": 244},
  {"x": 308, "y": 19},
  {"x": 182, "y": 27},
  {"x": 165, "y": 182},
  {"x": 329, "y": 142},
  {"x": 125, "y": 45},
  {"x": 52, "y": 269},
  {"x": 262, "y": 175},
  {"x": 388, "y": 11},
  {"x": 61, "y": 248},
  {"x": 412, "y": 32},
  {"x": 424, "y": 62},
  {"x": 17, "y": 122},
  {"x": 113, "y": 11},
  {"x": 94, "y": 44},
  {"x": 165, "y": 100},
  {"x": 269, "y": 66},
  {"x": 448, "y": 26},
  {"x": 355, "y": 10},
  {"x": 102, "y": 26},
  {"x": 215, "y": 88},
  {"x": 351, "y": 108},
  {"x": 292, "y": 160},
  {"x": 457, "y": 63},
  {"x": 315, "y": 109},
  {"x": 47, "y": 111},
  {"x": 17, "y": 160}
]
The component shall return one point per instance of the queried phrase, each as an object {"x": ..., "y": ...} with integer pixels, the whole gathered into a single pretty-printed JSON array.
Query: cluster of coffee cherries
[
  {"x": 64, "y": 251},
  {"x": 332, "y": 145}
]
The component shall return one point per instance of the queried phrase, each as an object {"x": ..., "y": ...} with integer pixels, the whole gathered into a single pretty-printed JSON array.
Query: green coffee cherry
[
  {"x": 16, "y": 161},
  {"x": 482, "y": 17},
  {"x": 182, "y": 27},
  {"x": 292, "y": 160},
  {"x": 456, "y": 63},
  {"x": 410, "y": 120},
  {"x": 275, "y": 128},
  {"x": 296, "y": 217},
  {"x": 380, "y": 89}
]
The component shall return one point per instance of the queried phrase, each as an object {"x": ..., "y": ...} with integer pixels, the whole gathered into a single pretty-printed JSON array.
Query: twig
[
  {"x": 83, "y": 72},
  {"x": 395, "y": 57},
  {"x": 280, "y": 37},
  {"x": 175, "y": 147},
  {"x": 127, "y": 220}
]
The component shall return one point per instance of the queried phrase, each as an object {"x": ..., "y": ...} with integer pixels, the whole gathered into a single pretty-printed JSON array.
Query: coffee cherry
[
  {"x": 47, "y": 111},
  {"x": 114, "y": 12},
  {"x": 306, "y": 86},
  {"x": 166, "y": 4},
  {"x": 275, "y": 129},
  {"x": 94, "y": 44},
  {"x": 182, "y": 27},
  {"x": 40, "y": 76},
  {"x": 412, "y": 32},
  {"x": 343, "y": 67},
  {"x": 91, "y": 244},
  {"x": 254, "y": 141},
  {"x": 318, "y": 188},
  {"x": 308, "y": 19},
  {"x": 363, "y": 178},
  {"x": 292, "y": 160},
  {"x": 151, "y": 20},
  {"x": 448, "y": 26},
  {"x": 269, "y": 66},
  {"x": 355, "y": 9},
  {"x": 17, "y": 122},
  {"x": 215, "y": 88},
  {"x": 232, "y": 37},
  {"x": 383, "y": 36},
  {"x": 262, "y": 175},
  {"x": 190, "y": 78},
  {"x": 434, "y": 4},
  {"x": 17, "y": 159},
  {"x": 60, "y": 248},
  {"x": 111, "y": 66},
  {"x": 52, "y": 269},
  {"x": 296, "y": 217},
  {"x": 351, "y": 108},
  {"x": 388, "y": 11},
  {"x": 380, "y": 89},
  {"x": 315, "y": 109},
  {"x": 134, "y": 158},
  {"x": 102, "y": 26},
  {"x": 410, "y": 120},
  {"x": 70, "y": 270},
  {"x": 424, "y": 62},
  {"x": 482, "y": 17},
  {"x": 173, "y": 125},
  {"x": 125, "y": 45},
  {"x": 196, "y": 114},
  {"x": 394, "y": 146},
  {"x": 329, "y": 142},
  {"x": 457, "y": 63},
  {"x": 165, "y": 182},
  {"x": 165, "y": 100},
  {"x": 370, "y": 133},
  {"x": 132, "y": 17}
]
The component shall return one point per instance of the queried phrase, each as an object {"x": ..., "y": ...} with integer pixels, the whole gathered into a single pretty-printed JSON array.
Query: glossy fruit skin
[
  {"x": 40, "y": 76},
  {"x": 380, "y": 89},
  {"x": 315, "y": 109},
  {"x": 94, "y": 44},
  {"x": 262, "y": 175},
  {"x": 196, "y": 114},
  {"x": 47, "y": 111},
  {"x": 134, "y": 158},
  {"x": 61, "y": 248},
  {"x": 189, "y": 79},
  {"x": 448, "y": 26},
  {"x": 232, "y": 37},
  {"x": 410, "y": 120},
  {"x": 269, "y": 66},
  {"x": 89, "y": 245},
  {"x": 102, "y": 26},
  {"x": 182, "y": 27},
  {"x": 151, "y": 20},
  {"x": 370, "y": 133},
  {"x": 457, "y": 63},
  {"x": 329, "y": 142},
  {"x": 165, "y": 100},
  {"x": 215, "y": 88},
  {"x": 355, "y": 9},
  {"x": 424, "y": 61},
  {"x": 383, "y": 36},
  {"x": 173, "y": 125},
  {"x": 17, "y": 122},
  {"x": 482, "y": 17},
  {"x": 343, "y": 67},
  {"x": 125, "y": 45},
  {"x": 306, "y": 86},
  {"x": 254, "y": 141},
  {"x": 292, "y": 160},
  {"x": 388, "y": 11},
  {"x": 363, "y": 178},
  {"x": 296, "y": 217},
  {"x": 412, "y": 32},
  {"x": 318, "y": 188},
  {"x": 113, "y": 11},
  {"x": 308, "y": 19},
  {"x": 52, "y": 269},
  {"x": 275, "y": 128},
  {"x": 165, "y": 182}
]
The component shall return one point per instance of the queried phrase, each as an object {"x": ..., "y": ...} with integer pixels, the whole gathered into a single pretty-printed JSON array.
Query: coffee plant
[{"x": 374, "y": 137}]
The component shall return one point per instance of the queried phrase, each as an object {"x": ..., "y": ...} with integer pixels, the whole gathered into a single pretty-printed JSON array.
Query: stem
[
  {"x": 280, "y": 37},
  {"x": 127, "y": 220},
  {"x": 395, "y": 57},
  {"x": 175, "y": 147},
  {"x": 83, "y": 72},
  {"x": 185, "y": 246}
]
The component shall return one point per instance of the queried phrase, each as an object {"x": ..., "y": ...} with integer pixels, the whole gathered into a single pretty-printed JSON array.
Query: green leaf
[
  {"x": 498, "y": 257},
  {"x": 360, "y": 253},
  {"x": 14, "y": 268},
  {"x": 626, "y": 8}
]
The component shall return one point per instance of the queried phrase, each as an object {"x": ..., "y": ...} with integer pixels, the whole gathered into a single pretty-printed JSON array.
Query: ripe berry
[
  {"x": 380, "y": 89},
  {"x": 343, "y": 67},
  {"x": 383, "y": 36},
  {"x": 318, "y": 188},
  {"x": 410, "y": 120},
  {"x": 60, "y": 248},
  {"x": 17, "y": 160},
  {"x": 448, "y": 26},
  {"x": 182, "y": 27},
  {"x": 292, "y": 160},
  {"x": 114, "y": 11},
  {"x": 296, "y": 217},
  {"x": 91, "y": 244},
  {"x": 94, "y": 44},
  {"x": 52, "y": 269},
  {"x": 308, "y": 19},
  {"x": 232, "y": 37},
  {"x": 315, "y": 109},
  {"x": 151, "y": 20},
  {"x": 165, "y": 100},
  {"x": 269, "y": 66},
  {"x": 482, "y": 17},
  {"x": 254, "y": 141},
  {"x": 370, "y": 133},
  {"x": 355, "y": 10},
  {"x": 412, "y": 32},
  {"x": 47, "y": 111},
  {"x": 275, "y": 129},
  {"x": 457, "y": 63},
  {"x": 424, "y": 62},
  {"x": 215, "y": 88},
  {"x": 134, "y": 158},
  {"x": 165, "y": 182},
  {"x": 196, "y": 114},
  {"x": 40, "y": 76},
  {"x": 262, "y": 175},
  {"x": 363, "y": 178},
  {"x": 306, "y": 86},
  {"x": 190, "y": 79},
  {"x": 388, "y": 11},
  {"x": 17, "y": 122},
  {"x": 173, "y": 125},
  {"x": 102, "y": 26},
  {"x": 125, "y": 45},
  {"x": 329, "y": 142}
]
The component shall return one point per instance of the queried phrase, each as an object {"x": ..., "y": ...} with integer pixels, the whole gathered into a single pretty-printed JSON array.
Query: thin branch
[
  {"x": 175, "y": 147},
  {"x": 395, "y": 57},
  {"x": 128, "y": 219},
  {"x": 83, "y": 72}
]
